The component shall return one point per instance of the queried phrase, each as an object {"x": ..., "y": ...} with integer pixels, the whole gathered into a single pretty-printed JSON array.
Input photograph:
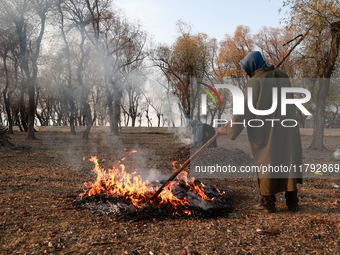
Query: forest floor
[{"x": 40, "y": 180}]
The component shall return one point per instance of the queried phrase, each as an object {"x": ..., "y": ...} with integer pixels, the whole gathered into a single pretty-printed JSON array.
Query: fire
[
  {"x": 194, "y": 188},
  {"x": 118, "y": 183}
]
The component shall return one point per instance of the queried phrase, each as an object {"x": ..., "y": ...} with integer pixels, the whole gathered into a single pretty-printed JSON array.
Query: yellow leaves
[
  {"x": 233, "y": 50},
  {"x": 191, "y": 53},
  {"x": 318, "y": 12}
]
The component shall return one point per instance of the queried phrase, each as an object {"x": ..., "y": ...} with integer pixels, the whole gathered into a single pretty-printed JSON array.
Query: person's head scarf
[{"x": 253, "y": 61}]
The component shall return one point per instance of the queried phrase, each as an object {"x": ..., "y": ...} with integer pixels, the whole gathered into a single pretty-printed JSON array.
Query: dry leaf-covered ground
[{"x": 39, "y": 182}]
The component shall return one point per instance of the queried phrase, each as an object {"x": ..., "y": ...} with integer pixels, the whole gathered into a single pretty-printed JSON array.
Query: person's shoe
[
  {"x": 259, "y": 207},
  {"x": 271, "y": 210},
  {"x": 262, "y": 207},
  {"x": 292, "y": 200},
  {"x": 293, "y": 208}
]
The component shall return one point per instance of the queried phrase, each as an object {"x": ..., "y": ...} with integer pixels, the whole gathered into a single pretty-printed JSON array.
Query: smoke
[
  {"x": 182, "y": 134},
  {"x": 153, "y": 175}
]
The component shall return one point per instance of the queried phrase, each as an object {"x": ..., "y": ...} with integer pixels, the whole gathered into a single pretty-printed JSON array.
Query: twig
[
  {"x": 292, "y": 40},
  {"x": 296, "y": 44}
]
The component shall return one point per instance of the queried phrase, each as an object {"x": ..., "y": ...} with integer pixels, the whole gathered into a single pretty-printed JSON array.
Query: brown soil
[{"x": 39, "y": 182}]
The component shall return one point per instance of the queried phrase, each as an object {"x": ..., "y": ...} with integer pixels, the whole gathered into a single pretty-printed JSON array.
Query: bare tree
[
  {"x": 133, "y": 87},
  {"x": 78, "y": 13},
  {"x": 120, "y": 45},
  {"x": 8, "y": 51},
  {"x": 156, "y": 101},
  {"x": 273, "y": 43},
  {"x": 21, "y": 14},
  {"x": 69, "y": 95}
]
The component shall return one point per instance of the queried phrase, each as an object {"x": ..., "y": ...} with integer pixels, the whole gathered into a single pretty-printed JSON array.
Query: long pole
[
  {"x": 296, "y": 44},
  {"x": 173, "y": 176}
]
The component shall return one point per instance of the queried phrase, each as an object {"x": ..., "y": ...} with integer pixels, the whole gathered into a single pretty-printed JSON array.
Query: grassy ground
[{"x": 38, "y": 184}]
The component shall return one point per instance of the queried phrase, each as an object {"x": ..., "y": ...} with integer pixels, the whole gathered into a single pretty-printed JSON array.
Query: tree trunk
[
  {"x": 9, "y": 116},
  {"x": 69, "y": 69},
  {"x": 133, "y": 120},
  {"x": 301, "y": 119},
  {"x": 22, "y": 112},
  {"x": 16, "y": 118},
  {"x": 158, "y": 120},
  {"x": 171, "y": 120},
  {"x": 319, "y": 119},
  {"x": 72, "y": 118},
  {"x": 31, "y": 75},
  {"x": 7, "y": 96},
  {"x": 31, "y": 112},
  {"x": 324, "y": 83},
  {"x": 126, "y": 119},
  {"x": 21, "y": 28},
  {"x": 88, "y": 115},
  {"x": 85, "y": 105},
  {"x": 116, "y": 113},
  {"x": 110, "y": 108}
]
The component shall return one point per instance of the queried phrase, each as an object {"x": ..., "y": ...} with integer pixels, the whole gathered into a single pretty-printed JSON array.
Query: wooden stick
[
  {"x": 296, "y": 44},
  {"x": 173, "y": 176}
]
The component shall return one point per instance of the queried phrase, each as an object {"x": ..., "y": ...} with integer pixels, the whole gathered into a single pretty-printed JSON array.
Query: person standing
[
  {"x": 204, "y": 132},
  {"x": 272, "y": 144}
]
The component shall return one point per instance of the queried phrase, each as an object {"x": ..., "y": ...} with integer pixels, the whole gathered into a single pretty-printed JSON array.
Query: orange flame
[{"x": 118, "y": 183}]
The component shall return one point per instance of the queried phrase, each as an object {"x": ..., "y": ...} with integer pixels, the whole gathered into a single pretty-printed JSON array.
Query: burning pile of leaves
[{"x": 123, "y": 193}]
